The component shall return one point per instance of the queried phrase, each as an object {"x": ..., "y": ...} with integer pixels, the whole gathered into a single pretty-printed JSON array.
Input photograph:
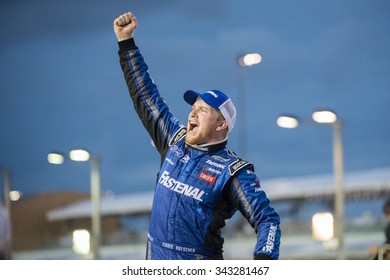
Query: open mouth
[{"x": 192, "y": 126}]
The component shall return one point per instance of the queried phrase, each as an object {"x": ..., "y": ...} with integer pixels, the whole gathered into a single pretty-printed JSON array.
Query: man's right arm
[{"x": 150, "y": 107}]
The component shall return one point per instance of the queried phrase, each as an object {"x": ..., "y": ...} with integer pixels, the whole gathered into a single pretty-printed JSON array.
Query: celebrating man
[{"x": 201, "y": 183}]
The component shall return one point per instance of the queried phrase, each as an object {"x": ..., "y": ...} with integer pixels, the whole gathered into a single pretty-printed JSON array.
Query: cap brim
[{"x": 190, "y": 96}]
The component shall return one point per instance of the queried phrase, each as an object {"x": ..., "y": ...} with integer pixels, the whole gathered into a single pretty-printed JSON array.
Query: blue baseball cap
[{"x": 216, "y": 99}]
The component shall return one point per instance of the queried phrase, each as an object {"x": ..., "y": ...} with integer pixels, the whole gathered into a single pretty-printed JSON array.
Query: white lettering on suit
[{"x": 180, "y": 187}]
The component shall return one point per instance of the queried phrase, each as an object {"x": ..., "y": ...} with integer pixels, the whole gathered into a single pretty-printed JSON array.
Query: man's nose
[{"x": 193, "y": 112}]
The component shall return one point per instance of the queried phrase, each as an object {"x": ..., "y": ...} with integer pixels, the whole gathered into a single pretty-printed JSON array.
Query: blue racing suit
[{"x": 198, "y": 187}]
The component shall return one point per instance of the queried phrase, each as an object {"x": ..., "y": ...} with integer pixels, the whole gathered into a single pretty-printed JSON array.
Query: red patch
[{"x": 207, "y": 178}]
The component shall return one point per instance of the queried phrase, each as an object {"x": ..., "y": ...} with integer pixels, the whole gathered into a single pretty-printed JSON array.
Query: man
[
  {"x": 200, "y": 183},
  {"x": 383, "y": 252}
]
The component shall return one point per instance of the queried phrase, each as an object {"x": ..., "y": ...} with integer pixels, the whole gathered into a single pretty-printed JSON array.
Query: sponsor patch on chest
[{"x": 207, "y": 177}]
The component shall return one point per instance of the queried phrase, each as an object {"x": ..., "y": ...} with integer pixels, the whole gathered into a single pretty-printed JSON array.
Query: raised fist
[{"x": 124, "y": 26}]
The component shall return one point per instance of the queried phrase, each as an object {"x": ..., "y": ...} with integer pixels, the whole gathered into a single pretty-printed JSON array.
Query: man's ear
[{"x": 222, "y": 125}]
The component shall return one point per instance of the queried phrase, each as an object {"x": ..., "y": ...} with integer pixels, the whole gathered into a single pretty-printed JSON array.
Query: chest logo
[
  {"x": 176, "y": 150},
  {"x": 207, "y": 178},
  {"x": 179, "y": 187}
]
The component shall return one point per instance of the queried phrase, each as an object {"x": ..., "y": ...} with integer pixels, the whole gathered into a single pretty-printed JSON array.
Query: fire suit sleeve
[
  {"x": 149, "y": 105},
  {"x": 247, "y": 195}
]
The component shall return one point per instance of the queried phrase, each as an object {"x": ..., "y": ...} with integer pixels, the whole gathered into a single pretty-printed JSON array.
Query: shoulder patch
[
  {"x": 237, "y": 165},
  {"x": 179, "y": 134}
]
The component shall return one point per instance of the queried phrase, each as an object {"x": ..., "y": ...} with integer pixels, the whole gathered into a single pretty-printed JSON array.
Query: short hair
[{"x": 220, "y": 116}]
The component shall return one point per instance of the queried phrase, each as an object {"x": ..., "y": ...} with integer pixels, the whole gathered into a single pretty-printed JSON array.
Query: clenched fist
[{"x": 124, "y": 26}]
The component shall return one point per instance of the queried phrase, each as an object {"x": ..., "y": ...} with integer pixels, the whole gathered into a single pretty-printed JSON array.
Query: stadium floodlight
[
  {"x": 243, "y": 61},
  {"x": 328, "y": 117},
  {"x": 324, "y": 116},
  {"x": 287, "y": 121},
  {"x": 55, "y": 158},
  {"x": 79, "y": 155},
  {"x": 82, "y": 155},
  {"x": 249, "y": 59}
]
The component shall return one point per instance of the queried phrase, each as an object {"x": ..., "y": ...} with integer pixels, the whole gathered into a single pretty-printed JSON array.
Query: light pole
[
  {"x": 328, "y": 117},
  {"x": 81, "y": 155},
  {"x": 243, "y": 61},
  {"x": 7, "y": 205}
]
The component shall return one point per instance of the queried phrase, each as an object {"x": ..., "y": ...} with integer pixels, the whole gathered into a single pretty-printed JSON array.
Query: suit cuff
[
  {"x": 127, "y": 45},
  {"x": 262, "y": 257}
]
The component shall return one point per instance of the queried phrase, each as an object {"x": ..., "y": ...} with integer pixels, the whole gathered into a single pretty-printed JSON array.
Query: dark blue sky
[{"x": 61, "y": 85}]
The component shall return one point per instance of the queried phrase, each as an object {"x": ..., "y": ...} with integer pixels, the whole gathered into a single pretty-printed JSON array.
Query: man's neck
[{"x": 214, "y": 146}]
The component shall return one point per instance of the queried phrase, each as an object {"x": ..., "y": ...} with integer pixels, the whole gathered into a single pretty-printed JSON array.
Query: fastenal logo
[
  {"x": 271, "y": 239},
  {"x": 179, "y": 187}
]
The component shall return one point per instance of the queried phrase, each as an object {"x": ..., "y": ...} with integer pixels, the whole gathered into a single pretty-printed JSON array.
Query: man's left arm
[{"x": 251, "y": 200}]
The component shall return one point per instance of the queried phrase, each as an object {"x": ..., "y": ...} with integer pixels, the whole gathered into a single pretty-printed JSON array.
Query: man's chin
[{"x": 191, "y": 140}]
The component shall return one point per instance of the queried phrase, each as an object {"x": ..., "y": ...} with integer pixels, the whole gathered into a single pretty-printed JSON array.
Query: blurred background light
[
  {"x": 15, "y": 195},
  {"x": 249, "y": 59},
  {"x": 322, "y": 226},
  {"x": 79, "y": 155},
  {"x": 287, "y": 121},
  {"x": 81, "y": 242},
  {"x": 55, "y": 158},
  {"x": 324, "y": 116}
]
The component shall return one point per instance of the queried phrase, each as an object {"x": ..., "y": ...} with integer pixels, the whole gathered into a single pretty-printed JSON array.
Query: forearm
[
  {"x": 254, "y": 205},
  {"x": 150, "y": 107}
]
